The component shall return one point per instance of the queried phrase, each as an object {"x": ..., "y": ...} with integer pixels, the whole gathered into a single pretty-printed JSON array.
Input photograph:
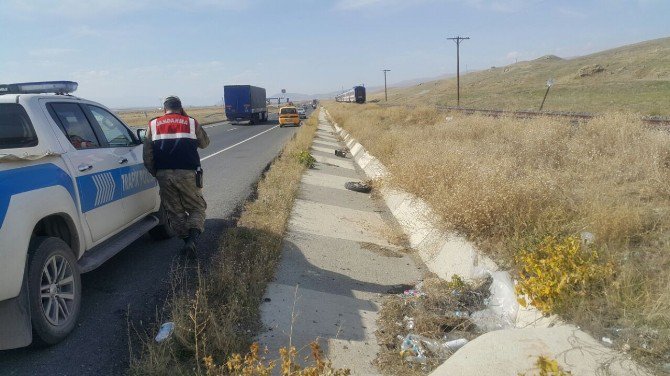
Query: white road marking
[{"x": 239, "y": 143}]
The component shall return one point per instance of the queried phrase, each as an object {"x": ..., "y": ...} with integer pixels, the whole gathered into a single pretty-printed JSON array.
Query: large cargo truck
[{"x": 245, "y": 103}]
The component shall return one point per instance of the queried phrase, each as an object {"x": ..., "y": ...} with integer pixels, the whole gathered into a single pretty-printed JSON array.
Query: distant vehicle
[
  {"x": 314, "y": 103},
  {"x": 302, "y": 113},
  {"x": 73, "y": 193},
  {"x": 355, "y": 94},
  {"x": 245, "y": 103},
  {"x": 288, "y": 115}
]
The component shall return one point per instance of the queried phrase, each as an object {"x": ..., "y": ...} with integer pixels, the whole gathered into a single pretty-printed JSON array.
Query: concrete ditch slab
[
  {"x": 334, "y": 162},
  {"x": 324, "y": 143},
  {"x": 515, "y": 351},
  {"x": 336, "y": 266}
]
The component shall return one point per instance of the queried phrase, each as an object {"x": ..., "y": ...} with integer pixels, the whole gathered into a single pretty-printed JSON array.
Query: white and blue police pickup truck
[{"x": 73, "y": 193}]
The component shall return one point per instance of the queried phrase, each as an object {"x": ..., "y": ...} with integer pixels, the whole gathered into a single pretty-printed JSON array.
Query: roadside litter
[
  {"x": 341, "y": 153},
  {"x": 413, "y": 347},
  {"x": 358, "y": 186},
  {"x": 429, "y": 322},
  {"x": 165, "y": 332},
  {"x": 501, "y": 305},
  {"x": 424, "y": 325}
]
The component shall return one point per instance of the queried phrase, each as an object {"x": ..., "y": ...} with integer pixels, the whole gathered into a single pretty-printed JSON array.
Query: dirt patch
[
  {"x": 590, "y": 70},
  {"x": 379, "y": 250}
]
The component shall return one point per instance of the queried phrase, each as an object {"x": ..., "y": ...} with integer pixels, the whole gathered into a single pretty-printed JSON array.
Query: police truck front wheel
[{"x": 54, "y": 289}]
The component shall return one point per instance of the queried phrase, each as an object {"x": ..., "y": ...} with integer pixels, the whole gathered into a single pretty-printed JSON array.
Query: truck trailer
[{"x": 245, "y": 103}]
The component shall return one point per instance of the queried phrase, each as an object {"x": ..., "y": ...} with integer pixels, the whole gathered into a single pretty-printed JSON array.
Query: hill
[{"x": 632, "y": 78}]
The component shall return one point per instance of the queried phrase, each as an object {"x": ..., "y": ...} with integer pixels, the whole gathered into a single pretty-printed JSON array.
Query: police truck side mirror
[{"x": 142, "y": 134}]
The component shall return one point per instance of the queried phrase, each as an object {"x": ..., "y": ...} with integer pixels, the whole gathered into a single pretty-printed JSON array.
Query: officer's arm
[
  {"x": 148, "y": 153},
  {"x": 203, "y": 138}
]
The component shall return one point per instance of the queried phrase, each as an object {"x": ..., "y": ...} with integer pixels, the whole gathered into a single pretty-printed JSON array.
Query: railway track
[{"x": 572, "y": 116}]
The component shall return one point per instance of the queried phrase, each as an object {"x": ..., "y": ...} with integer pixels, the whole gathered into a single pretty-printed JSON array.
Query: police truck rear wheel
[{"x": 54, "y": 288}]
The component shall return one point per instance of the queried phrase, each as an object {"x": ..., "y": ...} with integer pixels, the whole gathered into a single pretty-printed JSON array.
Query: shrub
[
  {"x": 557, "y": 270},
  {"x": 255, "y": 364},
  {"x": 306, "y": 159}
]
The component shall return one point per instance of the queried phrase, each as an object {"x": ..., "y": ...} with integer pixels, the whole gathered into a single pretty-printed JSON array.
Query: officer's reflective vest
[{"x": 174, "y": 142}]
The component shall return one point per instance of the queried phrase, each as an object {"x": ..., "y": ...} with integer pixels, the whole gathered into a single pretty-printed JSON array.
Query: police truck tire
[
  {"x": 163, "y": 230},
  {"x": 54, "y": 287}
]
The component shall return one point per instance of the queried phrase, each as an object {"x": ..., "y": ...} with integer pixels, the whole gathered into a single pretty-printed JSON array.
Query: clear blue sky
[{"x": 129, "y": 53}]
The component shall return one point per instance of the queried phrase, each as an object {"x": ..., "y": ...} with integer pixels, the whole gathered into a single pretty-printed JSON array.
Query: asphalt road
[{"x": 125, "y": 294}]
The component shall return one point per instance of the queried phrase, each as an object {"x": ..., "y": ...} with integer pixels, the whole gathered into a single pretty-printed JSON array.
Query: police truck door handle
[
  {"x": 123, "y": 160},
  {"x": 83, "y": 167}
]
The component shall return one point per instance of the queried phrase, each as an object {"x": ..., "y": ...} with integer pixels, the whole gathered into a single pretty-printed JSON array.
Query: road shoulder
[{"x": 336, "y": 265}]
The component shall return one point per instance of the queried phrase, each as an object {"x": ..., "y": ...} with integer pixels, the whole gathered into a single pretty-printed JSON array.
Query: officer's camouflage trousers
[{"x": 182, "y": 199}]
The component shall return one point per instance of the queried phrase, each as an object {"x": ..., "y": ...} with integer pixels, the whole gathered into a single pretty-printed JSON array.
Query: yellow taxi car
[{"x": 288, "y": 115}]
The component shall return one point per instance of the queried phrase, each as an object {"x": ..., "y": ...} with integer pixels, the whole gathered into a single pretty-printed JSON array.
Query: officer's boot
[{"x": 190, "y": 243}]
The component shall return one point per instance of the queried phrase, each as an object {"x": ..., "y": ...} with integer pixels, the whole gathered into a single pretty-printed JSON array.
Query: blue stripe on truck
[
  {"x": 24, "y": 179},
  {"x": 108, "y": 186}
]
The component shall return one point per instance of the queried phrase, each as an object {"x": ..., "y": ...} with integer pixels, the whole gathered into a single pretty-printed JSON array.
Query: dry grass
[
  {"x": 218, "y": 314},
  {"x": 506, "y": 183},
  {"x": 204, "y": 115}
]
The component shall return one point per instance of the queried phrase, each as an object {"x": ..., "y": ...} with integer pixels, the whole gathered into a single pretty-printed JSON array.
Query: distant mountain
[{"x": 630, "y": 78}]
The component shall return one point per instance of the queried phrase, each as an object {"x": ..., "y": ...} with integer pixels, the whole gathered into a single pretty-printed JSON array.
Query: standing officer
[{"x": 171, "y": 155}]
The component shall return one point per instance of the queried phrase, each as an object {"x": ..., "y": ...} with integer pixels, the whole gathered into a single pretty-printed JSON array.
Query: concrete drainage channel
[{"x": 525, "y": 334}]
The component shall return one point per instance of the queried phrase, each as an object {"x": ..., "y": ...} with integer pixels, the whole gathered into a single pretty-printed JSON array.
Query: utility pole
[
  {"x": 550, "y": 83},
  {"x": 386, "y": 97},
  {"x": 458, "y": 40}
]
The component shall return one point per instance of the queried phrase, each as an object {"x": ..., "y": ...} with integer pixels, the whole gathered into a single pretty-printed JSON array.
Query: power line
[
  {"x": 386, "y": 97},
  {"x": 458, "y": 41}
]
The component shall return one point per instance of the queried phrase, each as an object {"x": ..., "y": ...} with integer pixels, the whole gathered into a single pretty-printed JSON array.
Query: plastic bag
[
  {"x": 502, "y": 307},
  {"x": 165, "y": 332},
  {"x": 411, "y": 346},
  {"x": 415, "y": 346}
]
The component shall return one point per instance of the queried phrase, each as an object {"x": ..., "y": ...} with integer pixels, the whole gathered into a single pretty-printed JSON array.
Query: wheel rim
[{"x": 57, "y": 290}]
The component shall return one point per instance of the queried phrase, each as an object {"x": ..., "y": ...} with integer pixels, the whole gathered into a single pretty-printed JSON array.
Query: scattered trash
[
  {"x": 459, "y": 314},
  {"x": 165, "y": 332},
  {"x": 501, "y": 306},
  {"x": 409, "y": 322},
  {"x": 358, "y": 186},
  {"x": 587, "y": 238},
  {"x": 416, "y": 346},
  {"x": 412, "y": 350},
  {"x": 445, "y": 348},
  {"x": 413, "y": 293},
  {"x": 341, "y": 153},
  {"x": 428, "y": 322},
  {"x": 455, "y": 344},
  {"x": 608, "y": 341},
  {"x": 449, "y": 118}
]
